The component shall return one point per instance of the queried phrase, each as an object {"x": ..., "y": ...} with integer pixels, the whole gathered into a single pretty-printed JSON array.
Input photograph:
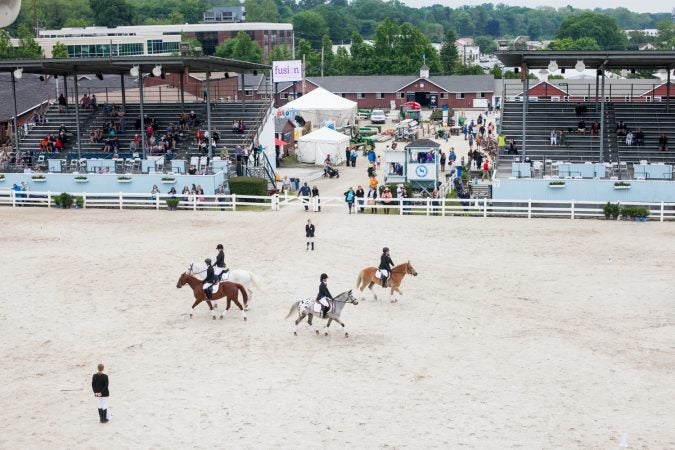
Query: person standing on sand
[
  {"x": 309, "y": 234},
  {"x": 99, "y": 384}
]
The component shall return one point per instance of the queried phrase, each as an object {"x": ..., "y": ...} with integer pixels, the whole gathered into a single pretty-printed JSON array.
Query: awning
[
  {"x": 279, "y": 142},
  {"x": 413, "y": 105}
]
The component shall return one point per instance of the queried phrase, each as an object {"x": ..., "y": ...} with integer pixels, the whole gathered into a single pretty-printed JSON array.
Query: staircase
[{"x": 610, "y": 151}]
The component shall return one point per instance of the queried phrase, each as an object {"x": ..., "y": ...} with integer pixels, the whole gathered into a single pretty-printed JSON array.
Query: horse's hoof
[
  {"x": 214, "y": 317},
  {"x": 317, "y": 331},
  {"x": 221, "y": 317},
  {"x": 326, "y": 333},
  {"x": 295, "y": 333},
  {"x": 346, "y": 335},
  {"x": 245, "y": 319}
]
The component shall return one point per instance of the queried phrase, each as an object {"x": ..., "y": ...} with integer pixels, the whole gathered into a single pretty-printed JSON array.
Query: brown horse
[
  {"x": 367, "y": 278},
  {"x": 226, "y": 289}
]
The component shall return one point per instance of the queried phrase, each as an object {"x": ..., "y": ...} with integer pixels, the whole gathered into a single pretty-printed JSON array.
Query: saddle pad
[
  {"x": 378, "y": 274},
  {"x": 225, "y": 276},
  {"x": 214, "y": 288},
  {"x": 317, "y": 307}
]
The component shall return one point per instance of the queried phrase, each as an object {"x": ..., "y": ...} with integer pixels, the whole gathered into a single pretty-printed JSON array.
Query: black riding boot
[
  {"x": 105, "y": 415},
  {"x": 101, "y": 417},
  {"x": 312, "y": 246},
  {"x": 384, "y": 282},
  {"x": 324, "y": 311}
]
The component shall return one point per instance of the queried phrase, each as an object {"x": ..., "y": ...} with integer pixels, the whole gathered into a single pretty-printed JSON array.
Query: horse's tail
[
  {"x": 293, "y": 306},
  {"x": 254, "y": 281},
  {"x": 244, "y": 294}
]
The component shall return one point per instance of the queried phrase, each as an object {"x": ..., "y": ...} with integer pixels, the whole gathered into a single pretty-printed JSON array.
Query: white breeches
[
  {"x": 208, "y": 286},
  {"x": 102, "y": 402},
  {"x": 323, "y": 301},
  {"x": 384, "y": 272}
]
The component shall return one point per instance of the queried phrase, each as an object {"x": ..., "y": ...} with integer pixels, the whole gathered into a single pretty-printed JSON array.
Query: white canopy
[
  {"x": 319, "y": 105},
  {"x": 315, "y": 146}
]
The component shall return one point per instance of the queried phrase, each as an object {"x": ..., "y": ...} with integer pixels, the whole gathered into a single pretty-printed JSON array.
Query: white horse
[{"x": 243, "y": 277}]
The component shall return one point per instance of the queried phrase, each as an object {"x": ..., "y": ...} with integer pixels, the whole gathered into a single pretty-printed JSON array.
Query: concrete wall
[
  {"x": 108, "y": 183},
  {"x": 584, "y": 190}
]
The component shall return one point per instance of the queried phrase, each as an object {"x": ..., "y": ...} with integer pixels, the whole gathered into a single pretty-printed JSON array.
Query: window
[
  {"x": 360, "y": 96},
  {"x": 340, "y": 94},
  {"x": 248, "y": 93},
  {"x": 379, "y": 96},
  {"x": 444, "y": 95},
  {"x": 459, "y": 95},
  {"x": 401, "y": 95},
  {"x": 481, "y": 95}
]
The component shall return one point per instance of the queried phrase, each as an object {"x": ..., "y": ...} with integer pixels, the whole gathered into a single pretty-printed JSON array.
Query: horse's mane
[{"x": 400, "y": 265}]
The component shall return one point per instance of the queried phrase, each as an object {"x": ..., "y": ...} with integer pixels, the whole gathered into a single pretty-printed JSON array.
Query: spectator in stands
[
  {"x": 183, "y": 122},
  {"x": 554, "y": 137},
  {"x": 94, "y": 102},
  {"x": 155, "y": 190},
  {"x": 639, "y": 137},
  {"x": 595, "y": 127},
  {"x": 621, "y": 129},
  {"x": 513, "y": 148},
  {"x": 629, "y": 138},
  {"x": 486, "y": 170},
  {"x": 242, "y": 126},
  {"x": 663, "y": 142},
  {"x": 59, "y": 144},
  {"x": 63, "y": 105},
  {"x": 581, "y": 127},
  {"x": 235, "y": 126},
  {"x": 193, "y": 120},
  {"x": 192, "y": 170}
]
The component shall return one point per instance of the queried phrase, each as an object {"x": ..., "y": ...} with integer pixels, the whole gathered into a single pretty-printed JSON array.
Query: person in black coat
[
  {"x": 385, "y": 265},
  {"x": 324, "y": 295},
  {"x": 209, "y": 279},
  {"x": 220, "y": 268},
  {"x": 99, "y": 384},
  {"x": 309, "y": 234}
]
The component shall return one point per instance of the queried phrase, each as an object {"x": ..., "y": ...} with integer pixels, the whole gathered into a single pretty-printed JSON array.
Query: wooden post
[
  {"x": 234, "y": 202},
  {"x": 49, "y": 199}
]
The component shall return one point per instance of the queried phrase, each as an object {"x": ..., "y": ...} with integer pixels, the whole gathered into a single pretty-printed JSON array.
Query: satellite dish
[{"x": 9, "y": 11}]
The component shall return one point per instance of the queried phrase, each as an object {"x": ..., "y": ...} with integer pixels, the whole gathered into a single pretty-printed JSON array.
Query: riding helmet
[
  {"x": 324, "y": 276},
  {"x": 208, "y": 261},
  {"x": 219, "y": 247},
  {"x": 385, "y": 250}
]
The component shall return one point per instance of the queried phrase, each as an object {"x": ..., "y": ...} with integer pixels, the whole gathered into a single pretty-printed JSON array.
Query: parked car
[{"x": 378, "y": 116}]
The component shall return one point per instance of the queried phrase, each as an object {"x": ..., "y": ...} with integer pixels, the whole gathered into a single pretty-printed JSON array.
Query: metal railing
[{"x": 659, "y": 211}]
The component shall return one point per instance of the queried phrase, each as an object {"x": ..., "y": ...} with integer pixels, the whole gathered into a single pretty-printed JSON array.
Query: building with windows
[
  {"x": 225, "y": 14},
  {"x": 91, "y": 42}
]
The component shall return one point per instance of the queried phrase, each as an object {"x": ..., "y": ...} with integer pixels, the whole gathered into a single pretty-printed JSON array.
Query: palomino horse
[
  {"x": 367, "y": 277},
  {"x": 236, "y": 276},
  {"x": 306, "y": 309},
  {"x": 226, "y": 289}
]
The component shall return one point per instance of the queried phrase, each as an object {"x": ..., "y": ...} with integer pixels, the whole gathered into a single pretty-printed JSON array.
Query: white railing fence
[{"x": 571, "y": 209}]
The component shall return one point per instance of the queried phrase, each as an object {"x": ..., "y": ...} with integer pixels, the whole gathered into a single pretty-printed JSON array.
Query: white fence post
[
  {"x": 84, "y": 200},
  {"x": 529, "y": 208},
  {"x": 661, "y": 218},
  {"x": 443, "y": 205},
  {"x": 234, "y": 202},
  {"x": 428, "y": 203},
  {"x": 485, "y": 207},
  {"x": 400, "y": 206},
  {"x": 157, "y": 202},
  {"x": 12, "y": 195},
  {"x": 49, "y": 199},
  {"x": 121, "y": 201},
  {"x": 194, "y": 202},
  {"x": 572, "y": 210},
  {"x": 275, "y": 202}
]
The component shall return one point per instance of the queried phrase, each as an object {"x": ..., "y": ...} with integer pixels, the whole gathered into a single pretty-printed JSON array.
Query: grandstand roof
[
  {"x": 123, "y": 65},
  {"x": 592, "y": 60}
]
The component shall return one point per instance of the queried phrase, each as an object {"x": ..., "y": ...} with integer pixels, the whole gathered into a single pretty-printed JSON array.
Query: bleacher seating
[{"x": 653, "y": 119}]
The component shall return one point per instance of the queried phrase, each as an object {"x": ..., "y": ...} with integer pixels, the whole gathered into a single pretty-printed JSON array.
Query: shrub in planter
[
  {"x": 64, "y": 200},
  {"x": 634, "y": 212},
  {"x": 79, "y": 202},
  {"x": 248, "y": 186},
  {"x": 2, "y": 177},
  {"x": 611, "y": 210},
  {"x": 172, "y": 203}
]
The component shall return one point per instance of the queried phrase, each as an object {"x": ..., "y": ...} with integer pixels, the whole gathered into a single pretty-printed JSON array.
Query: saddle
[
  {"x": 317, "y": 307},
  {"x": 378, "y": 274}
]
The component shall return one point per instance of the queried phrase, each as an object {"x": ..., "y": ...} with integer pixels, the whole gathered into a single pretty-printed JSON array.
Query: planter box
[
  {"x": 124, "y": 181},
  {"x": 621, "y": 188},
  {"x": 556, "y": 186},
  {"x": 169, "y": 181},
  {"x": 80, "y": 180},
  {"x": 38, "y": 180}
]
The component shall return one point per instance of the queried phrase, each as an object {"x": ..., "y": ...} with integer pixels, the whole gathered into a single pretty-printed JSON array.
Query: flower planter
[
  {"x": 81, "y": 180},
  {"x": 39, "y": 180},
  {"x": 556, "y": 186},
  {"x": 124, "y": 180},
  {"x": 169, "y": 181},
  {"x": 2, "y": 178},
  {"x": 621, "y": 188}
]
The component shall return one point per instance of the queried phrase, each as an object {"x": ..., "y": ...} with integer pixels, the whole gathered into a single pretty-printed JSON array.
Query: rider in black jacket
[
  {"x": 385, "y": 265},
  {"x": 324, "y": 295},
  {"x": 209, "y": 279},
  {"x": 220, "y": 262}
]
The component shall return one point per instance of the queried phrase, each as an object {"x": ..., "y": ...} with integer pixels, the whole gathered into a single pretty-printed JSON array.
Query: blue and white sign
[{"x": 421, "y": 171}]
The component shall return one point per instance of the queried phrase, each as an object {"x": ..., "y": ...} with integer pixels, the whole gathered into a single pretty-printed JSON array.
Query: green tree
[
  {"x": 261, "y": 11},
  {"x": 603, "y": 29},
  {"x": 569, "y": 44},
  {"x": 111, "y": 13},
  {"x": 486, "y": 43},
  {"x": 341, "y": 62},
  {"x": 311, "y": 57},
  {"x": 666, "y": 36},
  {"x": 59, "y": 51},
  {"x": 279, "y": 53},
  {"x": 310, "y": 26},
  {"x": 449, "y": 54},
  {"x": 28, "y": 47},
  {"x": 241, "y": 48}
]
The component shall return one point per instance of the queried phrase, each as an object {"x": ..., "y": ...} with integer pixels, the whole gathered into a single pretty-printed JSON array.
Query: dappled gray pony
[{"x": 306, "y": 308}]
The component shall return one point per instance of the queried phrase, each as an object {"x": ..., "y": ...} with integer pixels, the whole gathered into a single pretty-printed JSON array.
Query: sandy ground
[{"x": 515, "y": 334}]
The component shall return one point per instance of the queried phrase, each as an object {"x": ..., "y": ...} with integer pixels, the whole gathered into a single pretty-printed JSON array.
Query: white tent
[
  {"x": 315, "y": 146},
  {"x": 320, "y": 105}
]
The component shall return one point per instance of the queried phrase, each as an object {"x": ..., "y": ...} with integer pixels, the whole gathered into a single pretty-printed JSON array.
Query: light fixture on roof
[
  {"x": 580, "y": 66},
  {"x": 552, "y": 66},
  {"x": 157, "y": 70},
  {"x": 134, "y": 71},
  {"x": 18, "y": 73}
]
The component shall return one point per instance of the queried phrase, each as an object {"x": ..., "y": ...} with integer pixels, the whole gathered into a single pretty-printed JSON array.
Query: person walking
[
  {"x": 99, "y": 384},
  {"x": 349, "y": 198},
  {"x": 360, "y": 198},
  {"x": 309, "y": 234},
  {"x": 372, "y": 198},
  {"x": 305, "y": 192},
  {"x": 353, "y": 156},
  {"x": 348, "y": 155},
  {"x": 442, "y": 161},
  {"x": 386, "y": 199}
]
